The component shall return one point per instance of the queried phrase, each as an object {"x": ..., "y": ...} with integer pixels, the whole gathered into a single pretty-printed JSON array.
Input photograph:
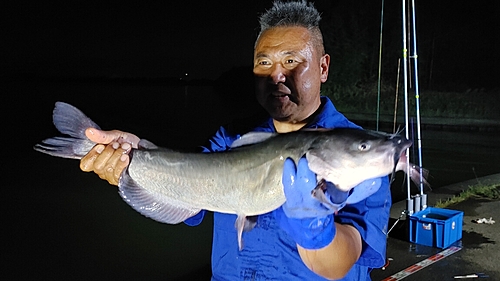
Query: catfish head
[{"x": 347, "y": 157}]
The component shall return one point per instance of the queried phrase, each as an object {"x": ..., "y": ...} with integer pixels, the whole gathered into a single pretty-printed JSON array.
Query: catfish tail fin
[{"x": 70, "y": 121}]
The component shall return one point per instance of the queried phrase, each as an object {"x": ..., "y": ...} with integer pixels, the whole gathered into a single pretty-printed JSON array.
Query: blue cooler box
[{"x": 436, "y": 227}]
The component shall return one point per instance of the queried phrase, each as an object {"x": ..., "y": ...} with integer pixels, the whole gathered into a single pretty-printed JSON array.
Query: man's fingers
[
  {"x": 107, "y": 161},
  {"x": 303, "y": 172},
  {"x": 289, "y": 171},
  {"x": 87, "y": 162},
  {"x": 114, "y": 166},
  {"x": 101, "y": 161},
  {"x": 106, "y": 137},
  {"x": 99, "y": 136},
  {"x": 121, "y": 166}
]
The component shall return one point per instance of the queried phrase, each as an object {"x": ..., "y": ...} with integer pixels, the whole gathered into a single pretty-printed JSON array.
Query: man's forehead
[
  {"x": 284, "y": 40},
  {"x": 286, "y": 33}
]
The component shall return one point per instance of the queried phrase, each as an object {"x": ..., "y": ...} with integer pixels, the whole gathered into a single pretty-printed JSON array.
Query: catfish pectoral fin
[
  {"x": 152, "y": 204},
  {"x": 319, "y": 193},
  {"x": 244, "y": 223},
  {"x": 333, "y": 193},
  {"x": 240, "y": 225}
]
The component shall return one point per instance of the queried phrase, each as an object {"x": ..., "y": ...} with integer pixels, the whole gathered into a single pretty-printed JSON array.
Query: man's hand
[
  {"x": 328, "y": 248},
  {"x": 308, "y": 221},
  {"x": 109, "y": 157},
  {"x": 298, "y": 183}
]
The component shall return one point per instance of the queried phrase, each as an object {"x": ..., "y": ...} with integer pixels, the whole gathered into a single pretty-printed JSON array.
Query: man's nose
[{"x": 278, "y": 74}]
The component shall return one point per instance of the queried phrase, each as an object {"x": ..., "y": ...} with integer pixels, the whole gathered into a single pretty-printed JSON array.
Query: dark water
[
  {"x": 60, "y": 223},
  {"x": 437, "y": 216},
  {"x": 453, "y": 156}
]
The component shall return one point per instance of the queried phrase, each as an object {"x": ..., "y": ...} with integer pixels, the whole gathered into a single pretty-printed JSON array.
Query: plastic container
[{"x": 436, "y": 227}]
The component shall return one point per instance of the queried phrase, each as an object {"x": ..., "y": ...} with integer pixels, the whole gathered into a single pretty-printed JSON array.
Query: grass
[
  {"x": 470, "y": 103},
  {"x": 491, "y": 191}
]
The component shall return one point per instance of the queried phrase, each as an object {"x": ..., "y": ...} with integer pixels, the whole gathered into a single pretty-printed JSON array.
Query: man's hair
[{"x": 294, "y": 13}]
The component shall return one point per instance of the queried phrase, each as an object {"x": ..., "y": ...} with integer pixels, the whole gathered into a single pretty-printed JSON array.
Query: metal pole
[
  {"x": 417, "y": 97},
  {"x": 380, "y": 62},
  {"x": 396, "y": 99},
  {"x": 405, "y": 87}
]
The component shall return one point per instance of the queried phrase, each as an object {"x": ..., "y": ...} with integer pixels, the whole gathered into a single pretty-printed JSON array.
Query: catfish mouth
[{"x": 402, "y": 144}]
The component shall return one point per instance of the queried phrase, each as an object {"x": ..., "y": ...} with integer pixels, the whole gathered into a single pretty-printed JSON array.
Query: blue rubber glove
[
  {"x": 307, "y": 220},
  {"x": 363, "y": 190}
]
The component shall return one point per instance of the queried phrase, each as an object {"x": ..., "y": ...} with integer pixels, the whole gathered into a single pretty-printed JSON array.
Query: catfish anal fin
[{"x": 152, "y": 205}]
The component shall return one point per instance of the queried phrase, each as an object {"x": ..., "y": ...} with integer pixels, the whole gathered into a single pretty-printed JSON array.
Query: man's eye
[
  {"x": 290, "y": 61},
  {"x": 263, "y": 62}
]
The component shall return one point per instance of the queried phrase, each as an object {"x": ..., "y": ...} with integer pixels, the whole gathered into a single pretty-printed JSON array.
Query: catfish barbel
[{"x": 170, "y": 186}]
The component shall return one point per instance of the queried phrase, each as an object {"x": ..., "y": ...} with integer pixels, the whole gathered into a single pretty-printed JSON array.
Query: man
[{"x": 290, "y": 65}]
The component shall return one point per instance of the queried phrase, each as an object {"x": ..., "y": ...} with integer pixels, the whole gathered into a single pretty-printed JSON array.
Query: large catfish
[{"x": 171, "y": 186}]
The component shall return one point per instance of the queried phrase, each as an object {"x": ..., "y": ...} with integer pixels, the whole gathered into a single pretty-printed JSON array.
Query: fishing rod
[
  {"x": 417, "y": 98},
  {"x": 380, "y": 62},
  {"x": 420, "y": 199},
  {"x": 409, "y": 200}
]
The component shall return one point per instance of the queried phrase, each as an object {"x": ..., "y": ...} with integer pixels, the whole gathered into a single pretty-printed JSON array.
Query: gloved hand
[
  {"x": 301, "y": 202},
  {"x": 307, "y": 220},
  {"x": 364, "y": 189}
]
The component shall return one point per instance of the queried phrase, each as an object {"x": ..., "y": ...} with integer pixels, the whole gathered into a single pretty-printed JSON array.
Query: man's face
[{"x": 289, "y": 73}]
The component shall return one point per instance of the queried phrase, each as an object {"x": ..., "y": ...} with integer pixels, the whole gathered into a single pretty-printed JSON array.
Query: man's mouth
[
  {"x": 281, "y": 89},
  {"x": 279, "y": 95}
]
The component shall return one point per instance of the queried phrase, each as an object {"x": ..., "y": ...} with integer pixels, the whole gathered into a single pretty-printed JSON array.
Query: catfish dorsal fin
[{"x": 252, "y": 138}]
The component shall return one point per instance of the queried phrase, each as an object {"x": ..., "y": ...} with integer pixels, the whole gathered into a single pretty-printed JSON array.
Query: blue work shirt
[{"x": 268, "y": 252}]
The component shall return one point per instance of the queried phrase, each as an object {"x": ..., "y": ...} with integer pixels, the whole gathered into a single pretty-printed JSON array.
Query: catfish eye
[{"x": 363, "y": 146}]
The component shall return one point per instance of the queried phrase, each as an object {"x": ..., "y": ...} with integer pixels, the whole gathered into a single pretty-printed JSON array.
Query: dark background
[
  {"x": 125, "y": 66},
  {"x": 456, "y": 39}
]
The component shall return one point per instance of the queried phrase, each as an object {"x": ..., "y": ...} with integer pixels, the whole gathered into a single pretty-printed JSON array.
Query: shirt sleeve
[
  {"x": 371, "y": 218},
  {"x": 221, "y": 141}
]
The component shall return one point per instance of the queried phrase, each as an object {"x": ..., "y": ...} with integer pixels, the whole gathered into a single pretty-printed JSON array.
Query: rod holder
[
  {"x": 416, "y": 200},
  {"x": 423, "y": 201},
  {"x": 409, "y": 206}
]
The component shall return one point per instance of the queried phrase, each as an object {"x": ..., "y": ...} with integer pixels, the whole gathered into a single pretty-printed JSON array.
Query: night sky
[
  {"x": 145, "y": 39},
  {"x": 206, "y": 38}
]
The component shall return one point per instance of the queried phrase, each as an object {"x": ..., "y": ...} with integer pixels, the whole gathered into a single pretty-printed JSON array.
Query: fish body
[{"x": 171, "y": 186}]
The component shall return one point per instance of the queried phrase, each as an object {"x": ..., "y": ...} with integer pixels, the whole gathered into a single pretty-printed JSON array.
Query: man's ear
[{"x": 324, "y": 66}]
